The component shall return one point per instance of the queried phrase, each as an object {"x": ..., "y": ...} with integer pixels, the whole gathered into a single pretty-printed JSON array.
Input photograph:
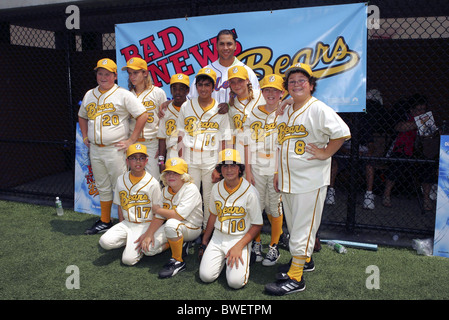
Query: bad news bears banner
[{"x": 332, "y": 39}]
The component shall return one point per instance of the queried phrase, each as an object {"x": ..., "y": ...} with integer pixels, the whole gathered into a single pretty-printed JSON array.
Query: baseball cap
[
  {"x": 107, "y": 64},
  {"x": 180, "y": 78},
  {"x": 300, "y": 67},
  {"x": 136, "y": 148},
  {"x": 229, "y": 155},
  {"x": 272, "y": 81},
  {"x": 177, "y": 165},
  {"x": 238, "y": 72},
  {"x": 136, "y": 63},
  {"x": 207, "y": 72}
]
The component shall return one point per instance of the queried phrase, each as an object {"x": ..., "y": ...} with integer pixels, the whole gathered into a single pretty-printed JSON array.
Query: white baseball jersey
[
  {"x": 222, "y": 89},
  {"x": 203, "y": 129},
  {"x": 261, "y": 131},
  {"x": 316, "y": 123},
  {"x": 168, "y": 130},
  {"x": 108, "y": 114},
  {"x": 187, "y": 203},
  {"x": 237, "y": 210},
  {"x": 137, "y": 200},
  {"x": 151, "y": 99}
]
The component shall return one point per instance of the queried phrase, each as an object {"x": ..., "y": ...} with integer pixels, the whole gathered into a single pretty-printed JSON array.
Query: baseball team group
[{"x": 205, "y": 165}]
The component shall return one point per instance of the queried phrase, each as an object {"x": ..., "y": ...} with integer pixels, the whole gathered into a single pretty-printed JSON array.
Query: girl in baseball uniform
[
  {"x": 235, "y": 219},
  {"x": 180, "y": 212},
  {"x": 168, "y": 133},
  {"x": 136, "y": 193},
  {"x": 104, "y": 123},
  {"x": 202, "y": 133},
  {"x": 309, "y": 133},
  {"x": 261, "y": 146},
  {"x": 151, "y": 97}
]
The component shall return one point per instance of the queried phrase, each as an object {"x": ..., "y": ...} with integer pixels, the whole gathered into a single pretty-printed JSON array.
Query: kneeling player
[
  {"x": 235, "y": 219},
  {"x": 136, "y": 192}
]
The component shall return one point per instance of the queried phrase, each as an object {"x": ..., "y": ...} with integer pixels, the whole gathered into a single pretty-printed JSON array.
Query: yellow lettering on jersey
[
  {"x": 193, "y": 129},
  {"x": 239, "y": 121},
  {"x": 170, "y": 127},
  {"x": 94, "y": 111},
  {"x": 129, "y": 201},
  {"x": 259, "y": 133},
  {"x": 227, "y": 213},
  {"x": 290, "y": 132}
]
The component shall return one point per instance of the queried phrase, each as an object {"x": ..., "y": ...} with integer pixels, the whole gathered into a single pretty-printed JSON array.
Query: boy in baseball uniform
[
  {"x": 261, "y": 146},
  {"x": 168, "y": 133},
  {"x": 180, "y": 211},
  {"x": 235, "y": 219},
  {"x": 309, "y": 133},
  {"x": 151, "y": 97},
  {"x": 104, "y": 123},
  {"x": 136, "y": 193},
  {"x": 202, "y": 133}
]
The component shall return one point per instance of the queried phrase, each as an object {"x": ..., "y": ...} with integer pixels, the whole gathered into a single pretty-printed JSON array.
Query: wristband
[
  {"x": 85, "y": 139},
  {"x": 161, "y": 158}
]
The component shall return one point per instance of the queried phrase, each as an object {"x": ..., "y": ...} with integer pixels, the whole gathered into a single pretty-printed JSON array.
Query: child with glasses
[{"x": 309, "y": 133}]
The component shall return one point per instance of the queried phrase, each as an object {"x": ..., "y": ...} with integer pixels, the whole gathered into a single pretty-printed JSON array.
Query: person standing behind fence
[
  {"x": 168, "y": 133},
  {"x": 104, "y": 123},
  {"x": 309, "y": 134},
  {"x": 151, "y": 97}
]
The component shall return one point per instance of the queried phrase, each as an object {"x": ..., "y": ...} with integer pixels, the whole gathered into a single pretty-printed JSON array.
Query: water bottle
[
  {"x": 59, "y": 209},
  {"x": 336, "y": 246}
]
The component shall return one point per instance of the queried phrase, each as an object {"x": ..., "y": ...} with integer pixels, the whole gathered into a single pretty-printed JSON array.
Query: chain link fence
[{"x": 383, "y": 180}]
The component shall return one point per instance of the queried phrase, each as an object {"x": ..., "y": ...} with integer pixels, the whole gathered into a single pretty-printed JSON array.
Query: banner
[
  {"x": 441, "y": 238},
  {"x": 86, "y": 199},
  {"x": 332, "y": 39}
]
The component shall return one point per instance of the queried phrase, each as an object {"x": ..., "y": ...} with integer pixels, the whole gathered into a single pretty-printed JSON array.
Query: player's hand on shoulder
[
  {"x": 223, "y": 108},
  {"x": 283, "y": 105},
  {"x": 162, "y": 108}
]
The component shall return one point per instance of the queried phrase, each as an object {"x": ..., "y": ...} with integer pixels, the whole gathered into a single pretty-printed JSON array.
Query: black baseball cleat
[
  {"x": 172, "y": 268},
  {"x": 98, "y": 227},
  {"x": 285, "y": 286}
]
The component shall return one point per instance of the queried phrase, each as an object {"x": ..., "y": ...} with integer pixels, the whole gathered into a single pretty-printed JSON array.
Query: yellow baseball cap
[
  {"x": 180, "y": 78},
  {"x": 229, "y": 155},
  {"x": 238, "y": 72},
  {"x": 107, "y": 64},
  {"x": 272, "y": 81},
  {"x": 177, "y": 165},
  {"x": 136, "y": 148},
  {"x": 301, "y": 67},
  {"x": 136, "y": 63},
  {"x": 207, "y": 72}
]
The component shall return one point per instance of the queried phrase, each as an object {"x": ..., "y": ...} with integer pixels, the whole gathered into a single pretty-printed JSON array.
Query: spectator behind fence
[
  {"x": 372, "y": 134},
  {"x": 405, "y": 146}
]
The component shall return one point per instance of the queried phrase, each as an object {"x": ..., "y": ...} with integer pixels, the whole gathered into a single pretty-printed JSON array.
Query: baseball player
[
  {"x": 168, "y": 133},
  {"x": 104, "y": 123},
  {"x": 151, "y": 97},
  {"x": 309, "y": 133},
  {"x": 136, "y": 193},
  {"x": 235, "y": 219},
  {"x": 181, "y": 208},
  {"x": 260, "y": 162},
  {"x": 202, "y": 134},
  {"x": 226, "y": 44},
  {"x": 243, "y": 99}
]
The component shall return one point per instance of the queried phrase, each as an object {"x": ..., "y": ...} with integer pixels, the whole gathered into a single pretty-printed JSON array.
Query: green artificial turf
[{"x": 37, "y": 247}]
